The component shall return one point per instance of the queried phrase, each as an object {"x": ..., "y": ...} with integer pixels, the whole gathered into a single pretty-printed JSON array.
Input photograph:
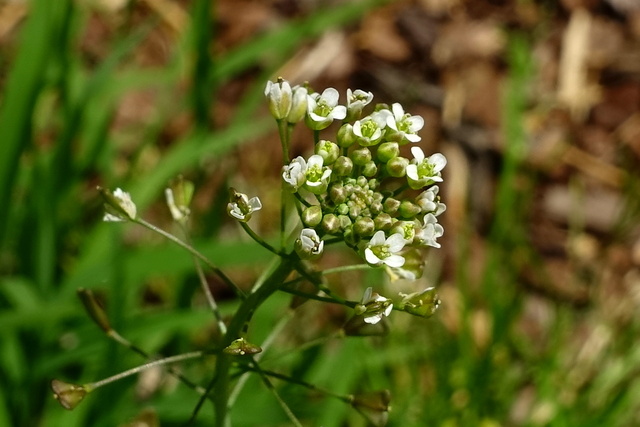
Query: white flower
[
  {"x": 424, "y": 171},
  {"x": 178, "y": 213},
  {"x": 317, "y": 175},
  {"x": 407, "y": 229},
  {"x": 309, "y": 245},
  {"x": 298, "y": 104},
  {"x": 356, "y": 101},
  {"x": 294, "y": 174},
  {"x": 369, "y": 130},
  {"x": 323, "y": 109},
  {"x": 373, "y": 307},
  {"x": 384, "y": 251},
  {"x": 429, "y": 201},
  {"x": 404, "y": 125},
  {"x": 279, "y": 95},
  {"x": 119, "y": 206},
  {"x": 430, "y": 231},
  {"x": 241, "y": 207}
]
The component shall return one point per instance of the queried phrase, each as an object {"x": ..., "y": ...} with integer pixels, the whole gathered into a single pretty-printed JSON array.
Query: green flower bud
[
  {"x": 345, "y": 137},
  {"x": 343, "y": 166},
  {"x": 330, "y": 224},
  {"x": 241, "y": 347},
  {"x": 370, "y": 169},
  {"x": 350, "y": 238},
  {"x": 328, "y": 150},
  {"x": 361, "y": 156},
  {"x": 337, "y": 194},
  {"x": 94, "y": 309},
  {"x": 391, "y": 205},
  {"x": 384, "y": 222},
  {"x": 178, "y": 197},
  {"x": 312, "y": 216},
  {"x": 388, "y": 151},
  {"x": 279, "y": 96},
  {"x": 364, "y": 226},
  {"x": 375, "y": 207},
  {"x": 69, "y": 395},
  {"x": 408, "y": 210},
  {"x": 298, "y": 104},
  {"x": 342, "y": 209},
  {"x": 397, "y": 167},
  {"x": 345, "y": 221}
]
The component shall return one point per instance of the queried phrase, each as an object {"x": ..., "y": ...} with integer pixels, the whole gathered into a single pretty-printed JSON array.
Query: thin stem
[
  {"x": 258, "y": 239},
  {"x": 400, "y": 189},
  {"x": 205, "y": 287},
  {"x": 316, "y": 297},
  {"x": 345, "y": 268},
  {"x": 284, "y": 133},
  {"x": 313, "y": 278},
  {"x": 132, "y": 371},
  {"x": 195, "y": 253},
  {"x": 301, "y": 199},
  {"x": 273, "y": 390}
]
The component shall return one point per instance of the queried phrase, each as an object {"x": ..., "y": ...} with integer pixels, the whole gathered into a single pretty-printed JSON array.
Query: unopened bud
[
  {"x": 337, "y": 194},
  {"x": 370, "y": 169},
  {"x": 279, "y": 96},
  {"x": 312, "y": 216},
  {"x": 343, "y": 166},
  {"x": 388, "y": 151},
  {"x": 94, "y": 309},
  {"x": 346, "y": 137},
  {"x": 69, "y": 395},
  {"x": 422, "y": 304},
  {"x": 330, "y": 224},
  {"x": 241, "y": 347},
  {"x": 361, "y": 156},
  {"x": 298, "y": 104},
  {"x": 391, "y": 205},
  {"x": 118, "y": 205},
  {"x": 408, "y": 210},
  {"x": 397, "y": 167},
  {"x": 383, "y": 221},
  {"x": 364, "y": 226},
  {"x": 328, "y": 150},
  {"x": 178, "y": 196}
]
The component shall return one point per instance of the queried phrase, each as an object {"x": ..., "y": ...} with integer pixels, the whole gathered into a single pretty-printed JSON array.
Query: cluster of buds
[{"x": 358, "y": 185}]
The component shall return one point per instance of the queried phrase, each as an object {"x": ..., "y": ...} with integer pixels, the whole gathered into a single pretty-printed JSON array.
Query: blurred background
[{"x": 534, "y": 103}]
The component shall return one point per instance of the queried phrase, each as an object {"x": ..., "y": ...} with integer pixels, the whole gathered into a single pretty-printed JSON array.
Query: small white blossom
[
  {"x": 294, "y": 174},
  {"x": 317, "y": 175},
  {"x": 424, "y": 171},
  {"x": 279, "y": 96},
  {"x": 405, "y": 126},
  {"x": 323, "y": 109},
  {"x": 309, "y": 245},
  {"x": 241, "y": 207},
  {"x": 356, "y": 101},
  {"x": 369, "y": 130},
  {"x": 407, "y": 229},
  {"x": 429, "y": 201},
  {"x": 430, "y": 231},
  {"x": 119, "y": 206},
  {"x": 373, "y": 307},
  {"x": 384, "y": 251}
]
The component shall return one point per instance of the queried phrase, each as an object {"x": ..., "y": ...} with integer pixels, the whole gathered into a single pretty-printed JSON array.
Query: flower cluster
[{"x": 358, "y": 185}]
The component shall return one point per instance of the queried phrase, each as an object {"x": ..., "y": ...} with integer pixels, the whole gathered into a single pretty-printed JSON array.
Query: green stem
[
  {"x": 258, "y": 239},
  {"x": 193, "y": 252},
  {"x": 220, "y": 385}
]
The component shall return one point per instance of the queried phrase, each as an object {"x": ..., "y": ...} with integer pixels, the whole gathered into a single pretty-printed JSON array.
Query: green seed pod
[
  {"x": 312, "y": 216},
  {"x": 343, "y": 166},
  {"x": 361, "y": 156},
  {"x": 388, "y": 151},
  {"x": 397, "y": 167}
]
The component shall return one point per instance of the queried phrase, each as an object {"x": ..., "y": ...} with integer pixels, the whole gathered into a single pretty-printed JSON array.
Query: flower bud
[
  {"x": 312, "y": 216},
  {"x": 345, "y": 137},
  {"x": 241, "y": 347},
  {"x": 328, "y": 150},
  {"x": 422, "y": 304},
  {"x": 388, "y": 151},
  {"x": 94, "y": 309},
  {"x": 383, "y": 221},
  {"x": 391, "y": 205},
  {"x": 361, "y": 156},
  {"x": 408, "y": 210},
  {"x": 345, "y": 221},
  {"x": 69, "y": 395},
  {"x": 178, "y": 197},
  {"x": 343, "y": 166},
  {"x": 370, "y": 169},
  {"x": 342, "y": 209},
  {"x": 279, "y": 96},
  {"x": 364, "y": 226},
  {"x": 375, "y": 207},
  {"x": 330, "y": 224},
  {"x": 298, "y": 104},
  {"x": 397, "y": 167},
  {"x": 337, "y": 193}
]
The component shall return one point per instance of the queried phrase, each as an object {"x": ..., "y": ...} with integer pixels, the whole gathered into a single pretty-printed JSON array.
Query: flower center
[
  {"x": 322, "y": 109},
  {"x": 314, "y": 173},
  {"x": 381, "y": 251}
]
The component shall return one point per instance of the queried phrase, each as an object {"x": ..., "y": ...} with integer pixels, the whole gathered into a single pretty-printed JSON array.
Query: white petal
[
  {"x": 416, "y": 123},
  {"x": 395, "y": 242},
  {"x": 339, "y": 112},
  {"x": 412, "y": 172},
  {"x": 255, "y": 204},
  {"x": 438, "y": 160},
  {"x": 412, "y": 137},
  {"x": 372, "y": 320},
  {"x": 367, "y": 295},
  {"x": 331, "y": 96},
  {"x": 371, "y": 257},
  {"x": 398, "y": 111},
  {"x": 418, "y": 154},
  {"x": 315, "y": 161},
  {"x": 377, "y": 239},
  {"x": 394, "y": 261}
]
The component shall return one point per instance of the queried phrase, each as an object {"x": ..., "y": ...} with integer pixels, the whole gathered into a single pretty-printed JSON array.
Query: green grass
[{"x": 58, "y": 142}]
